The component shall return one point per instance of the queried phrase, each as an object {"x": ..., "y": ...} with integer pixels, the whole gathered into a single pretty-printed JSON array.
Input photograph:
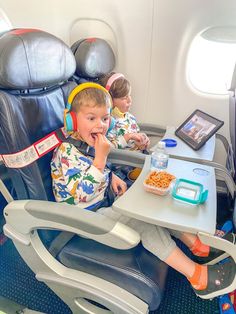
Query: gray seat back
[{"x": 94, "y": 58}]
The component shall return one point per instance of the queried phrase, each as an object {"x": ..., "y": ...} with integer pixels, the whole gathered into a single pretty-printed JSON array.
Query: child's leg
[
  {"x": 196, "y": 274},
  {"x": 180, "y": 262},
  {"x": 204, "y": 279},
  {"x": 203, "y": 253},
  {"x": 162, "y": 247},
  {"x": 195, "y": 245},
  {"x": 192, "y": 242}
]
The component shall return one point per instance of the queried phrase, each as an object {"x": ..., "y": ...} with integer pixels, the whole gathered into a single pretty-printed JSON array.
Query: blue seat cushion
[{"x": 135, "y": 270}]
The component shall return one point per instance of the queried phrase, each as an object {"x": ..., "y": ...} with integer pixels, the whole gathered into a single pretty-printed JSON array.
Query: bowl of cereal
[{"x": 158, "y": 182}]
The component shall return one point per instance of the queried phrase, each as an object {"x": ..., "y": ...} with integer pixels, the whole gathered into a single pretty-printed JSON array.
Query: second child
[{"x": 126, "y": 132}]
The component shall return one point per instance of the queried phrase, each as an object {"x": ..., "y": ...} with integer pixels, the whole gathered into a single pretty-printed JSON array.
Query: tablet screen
[{"x": 198, "y": 128}]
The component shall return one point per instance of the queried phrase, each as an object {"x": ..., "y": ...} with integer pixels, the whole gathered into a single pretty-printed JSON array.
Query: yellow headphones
[{"x": 70, "y": 119}]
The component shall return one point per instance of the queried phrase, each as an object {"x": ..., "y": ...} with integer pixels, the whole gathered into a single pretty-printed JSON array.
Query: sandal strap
[
  {"x": 194, "y": 280},
  {"x": 195, "y": 248}
]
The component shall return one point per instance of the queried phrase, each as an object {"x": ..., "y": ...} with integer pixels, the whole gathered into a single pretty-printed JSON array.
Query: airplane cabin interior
[{"x": 58, "y": 254}]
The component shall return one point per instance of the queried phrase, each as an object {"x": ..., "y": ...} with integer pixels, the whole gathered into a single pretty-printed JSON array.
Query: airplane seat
[
  {"x": 114, "y": 271},
  {"x": 94, "y": 58},
  {"x": 31, "y": 90}
]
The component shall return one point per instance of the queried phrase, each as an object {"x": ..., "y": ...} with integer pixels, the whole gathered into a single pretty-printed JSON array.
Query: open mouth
[{"x": 95, "y": 134}]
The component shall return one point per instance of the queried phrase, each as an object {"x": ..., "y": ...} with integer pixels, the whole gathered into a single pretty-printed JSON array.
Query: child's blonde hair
[
  {"x": 92, "y": 97},
  {"x": 119, "y": 88}
]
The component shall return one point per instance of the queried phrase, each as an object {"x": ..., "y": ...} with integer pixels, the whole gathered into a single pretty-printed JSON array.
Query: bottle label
[{"x": 159, "y": 162}]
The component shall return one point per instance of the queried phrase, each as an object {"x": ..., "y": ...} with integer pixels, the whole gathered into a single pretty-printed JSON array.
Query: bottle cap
[
  {"x": 170, "y": 142},
  {"x": 161, "y": 144}
]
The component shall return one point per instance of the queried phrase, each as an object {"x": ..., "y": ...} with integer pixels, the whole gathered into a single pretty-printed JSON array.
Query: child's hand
[
  {"x": 136, "y": 137},
  {"x": 141, "y": 140},
  {"x": 102, "y": 145},
  {"x": 145, "y": 141},
  {"x": 102, "y": 148},
  {"x": 118, "y": 185}
]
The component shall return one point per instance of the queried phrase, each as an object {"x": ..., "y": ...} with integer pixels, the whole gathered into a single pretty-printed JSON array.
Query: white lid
[{"x": 161, "y": 145}]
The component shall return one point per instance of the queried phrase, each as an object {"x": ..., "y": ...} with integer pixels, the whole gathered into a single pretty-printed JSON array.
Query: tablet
[{"x": 198, "y": 128}]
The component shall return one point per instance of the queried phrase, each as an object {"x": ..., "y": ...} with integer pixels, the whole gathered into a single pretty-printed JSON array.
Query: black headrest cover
[
  {"x": 31, "y": 58},
  {"x": 94, "y": 57}
]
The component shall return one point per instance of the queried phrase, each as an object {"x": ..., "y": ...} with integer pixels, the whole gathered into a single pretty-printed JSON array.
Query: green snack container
[{"x": 189, "y": 191}]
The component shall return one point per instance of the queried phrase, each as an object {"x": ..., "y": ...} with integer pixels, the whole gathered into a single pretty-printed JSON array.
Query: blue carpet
[{"x": 18, "y": 283}]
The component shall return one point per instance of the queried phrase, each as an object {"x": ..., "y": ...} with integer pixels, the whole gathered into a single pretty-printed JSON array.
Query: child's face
[
  {"x": 91, "y": 121},
  {"x": 123, "y": 103}
]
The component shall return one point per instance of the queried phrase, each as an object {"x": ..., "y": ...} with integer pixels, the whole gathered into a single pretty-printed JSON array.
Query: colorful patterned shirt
[
  {"x": 124, "y": 123},
  {"x": 75, "y": 179}
]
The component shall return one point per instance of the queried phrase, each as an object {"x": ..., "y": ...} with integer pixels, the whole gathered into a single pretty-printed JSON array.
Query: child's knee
[{"x": 158, "y": 241}]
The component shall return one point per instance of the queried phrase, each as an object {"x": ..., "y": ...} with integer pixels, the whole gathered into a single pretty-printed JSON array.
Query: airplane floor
[
  {"x": 10, "y": 307},
  {"x": 18, "y": 283}
]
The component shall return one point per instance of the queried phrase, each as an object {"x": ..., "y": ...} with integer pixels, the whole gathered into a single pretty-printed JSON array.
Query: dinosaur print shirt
[
  {"x": 124, "y": 123},
  {"x": 75, "y": 179}
]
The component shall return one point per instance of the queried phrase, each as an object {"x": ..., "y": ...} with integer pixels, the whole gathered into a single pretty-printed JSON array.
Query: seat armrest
[
  {"x": 229, "y": 152},
  {"x": 224, "y": 141},
  {"x": 22, "y": 217},
  {"x": 152, "y": 129},
  {"x": 126, "y": 157}
]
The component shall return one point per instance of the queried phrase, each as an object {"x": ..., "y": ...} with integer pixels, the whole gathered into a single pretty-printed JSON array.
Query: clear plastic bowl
[{"x": 156, "y": 189}]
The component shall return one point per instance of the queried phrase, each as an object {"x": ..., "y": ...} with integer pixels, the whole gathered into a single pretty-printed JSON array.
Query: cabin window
[{"x": 211, "y": 60}]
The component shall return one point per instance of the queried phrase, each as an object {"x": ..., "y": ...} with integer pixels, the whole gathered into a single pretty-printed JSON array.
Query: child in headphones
[
  {"x": 125, "y": 132},
  {"x": 81, "y": 176}
]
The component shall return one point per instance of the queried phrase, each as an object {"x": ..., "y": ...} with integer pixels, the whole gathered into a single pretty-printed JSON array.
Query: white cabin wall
[
  {"x": 176, "y": 23},
  {"x": 171, "y": 98},
  {"x": 131, "y": 22}
]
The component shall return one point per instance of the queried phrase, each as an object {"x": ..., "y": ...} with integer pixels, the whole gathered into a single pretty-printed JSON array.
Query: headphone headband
[
  {"x": 112, "y": 79},
  {"x": 83, "y": 86}
]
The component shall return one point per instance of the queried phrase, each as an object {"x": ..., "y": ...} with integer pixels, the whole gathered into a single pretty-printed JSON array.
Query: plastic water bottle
[{"x": 159, "y": 158}]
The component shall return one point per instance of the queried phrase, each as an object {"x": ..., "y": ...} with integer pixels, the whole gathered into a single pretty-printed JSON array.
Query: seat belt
[
  {"x": 41, "y": 147},
  {"x": 59, "y": 242},
  {"x": 33, "y": 152}
]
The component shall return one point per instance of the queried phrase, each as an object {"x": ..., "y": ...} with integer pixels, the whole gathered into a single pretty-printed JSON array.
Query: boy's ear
[{"x": 111, "y": 124}]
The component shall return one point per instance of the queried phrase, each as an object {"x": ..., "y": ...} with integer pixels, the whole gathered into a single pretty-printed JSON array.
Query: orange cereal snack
[{"x": 159, "y": 179}]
